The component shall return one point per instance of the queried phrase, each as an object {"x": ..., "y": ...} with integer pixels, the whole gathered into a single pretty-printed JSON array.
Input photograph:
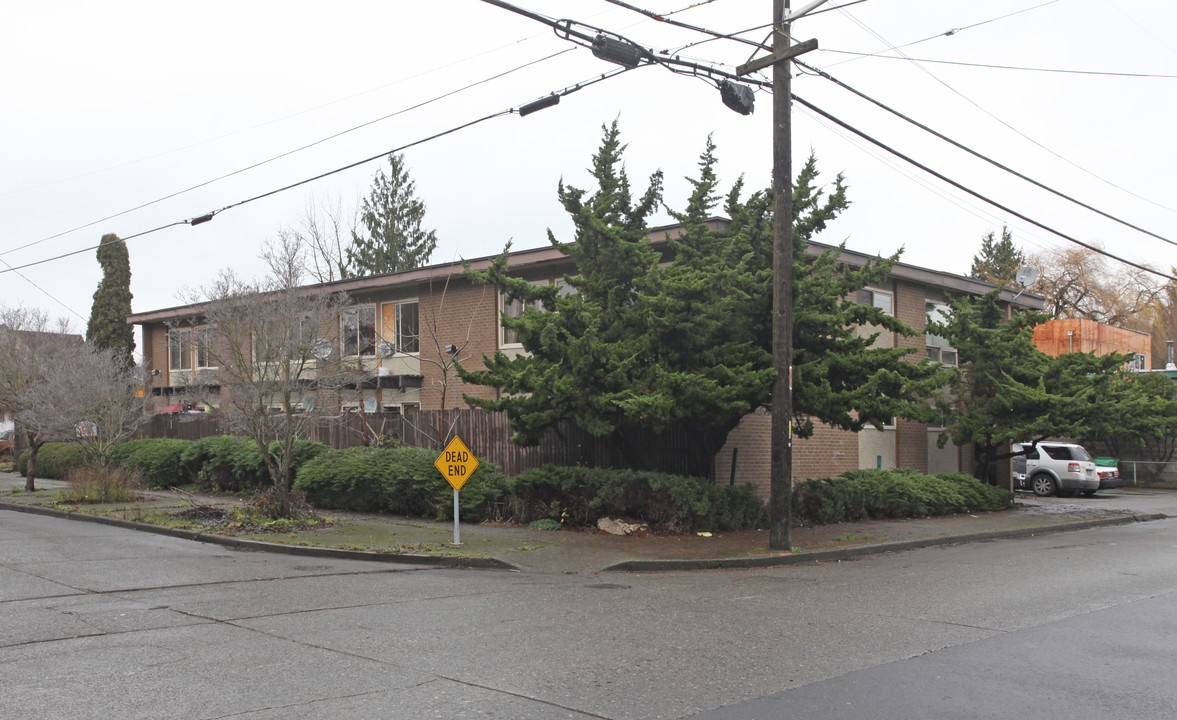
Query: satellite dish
[
  {"x": 321, "y": 349},
  {"x": 1026, "y": 276},
  {"x": 370, "y": 405},
  {"x": 387, "y": 349}
]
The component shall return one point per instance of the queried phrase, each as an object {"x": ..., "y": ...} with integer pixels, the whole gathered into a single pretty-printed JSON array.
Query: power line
[
  {"x": 210, "y": 215},
  {"x": 45, "y": 292},
  {"x": 978, "y": 106},
  {"x": 992, "y": 66},
  {"x": 976, "y": 194},
  {"x": 978, "y": 155},
  {"x": 287, "y": 153}
]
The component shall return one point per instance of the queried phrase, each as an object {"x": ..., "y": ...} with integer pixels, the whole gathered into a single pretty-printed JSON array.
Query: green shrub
[
  {"x": 304, "y": 451},
  {"x": 54, "y": 460},
  {"x": 875, "y": 494},
  {"x": 667, "y": 503},
  {"x": 399, "y": 480},
  {"x": 224, "y": 463},
  {"x": 157, "y": 459}
]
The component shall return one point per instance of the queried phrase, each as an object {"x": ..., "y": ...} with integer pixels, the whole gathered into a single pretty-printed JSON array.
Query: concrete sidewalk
[{"x": 588, "y": 551}]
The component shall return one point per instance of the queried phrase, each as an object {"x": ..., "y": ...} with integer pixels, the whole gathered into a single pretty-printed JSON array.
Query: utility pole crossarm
[{"x": 760, "y": 63}]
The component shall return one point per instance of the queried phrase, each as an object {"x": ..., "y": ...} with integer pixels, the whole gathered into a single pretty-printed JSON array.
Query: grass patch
[{"x": 90, "y": 485}]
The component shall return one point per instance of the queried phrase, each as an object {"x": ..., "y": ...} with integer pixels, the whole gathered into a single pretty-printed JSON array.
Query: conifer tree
[
  {"x": 390, "y": 237},
  {"x": 999, "y": 260},
  {"x": 108, "y": 328},
  {"x": 681, "y": 345}
]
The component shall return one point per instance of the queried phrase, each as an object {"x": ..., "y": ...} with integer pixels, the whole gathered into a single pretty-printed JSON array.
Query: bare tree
[
  {"x": 31, "y": 347},
  {"x": 325, "y": 235},
  {"x": 1077, "y": 282},
  {"x": 270, "y": 348}
]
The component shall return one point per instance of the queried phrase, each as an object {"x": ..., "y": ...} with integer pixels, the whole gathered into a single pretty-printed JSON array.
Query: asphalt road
[{"x": 100, "y": 622}]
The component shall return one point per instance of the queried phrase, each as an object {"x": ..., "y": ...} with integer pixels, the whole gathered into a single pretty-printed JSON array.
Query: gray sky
[{"x": 111, "y": 106}]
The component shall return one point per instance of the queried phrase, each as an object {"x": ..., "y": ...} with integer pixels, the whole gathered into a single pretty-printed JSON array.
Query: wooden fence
[{"x": 488, "y": 435}]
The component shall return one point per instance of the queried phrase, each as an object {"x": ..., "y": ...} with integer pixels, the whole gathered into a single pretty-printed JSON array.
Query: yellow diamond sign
[{"x": 456, "y": 463}]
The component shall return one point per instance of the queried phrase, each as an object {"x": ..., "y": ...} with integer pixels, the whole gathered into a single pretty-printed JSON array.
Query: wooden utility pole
[{"x": 780, "y": 499}]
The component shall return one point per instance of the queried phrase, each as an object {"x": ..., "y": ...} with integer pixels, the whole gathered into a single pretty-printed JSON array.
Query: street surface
[{"x": 102, "y": 622}]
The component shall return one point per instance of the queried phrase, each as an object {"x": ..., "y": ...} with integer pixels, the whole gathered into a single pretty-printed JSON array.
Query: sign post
[{"x": 456, "y": 464}]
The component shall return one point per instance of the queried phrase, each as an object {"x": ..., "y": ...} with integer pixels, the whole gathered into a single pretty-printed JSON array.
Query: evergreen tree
[
  {"x": 682, "y": 344},
  {"x": 108, "y": 328},
  {"x": 390, "y": 237},
  {"x": 999, "y": 260},
  {"x": 1006, "y": 390}
]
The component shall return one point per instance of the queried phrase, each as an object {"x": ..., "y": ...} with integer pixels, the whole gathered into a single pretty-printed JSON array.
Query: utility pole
[
  {"x": 780, "y": 500},
  {"x": 781, "y": 479}
]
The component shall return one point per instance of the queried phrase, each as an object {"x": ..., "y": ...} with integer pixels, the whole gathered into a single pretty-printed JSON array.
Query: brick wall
[
  {"x": 462, "y": 314},
  {"x": 829, "y": 452},
  {"x": 911, "y": 438}
]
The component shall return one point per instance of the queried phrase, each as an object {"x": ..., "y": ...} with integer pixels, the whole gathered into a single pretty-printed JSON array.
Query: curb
[
  {"x": 866, "y": 550},
  {"x": 470, "y": 563}
]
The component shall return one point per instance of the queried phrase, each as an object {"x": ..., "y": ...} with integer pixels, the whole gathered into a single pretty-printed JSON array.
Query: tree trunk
[{"x": 31, "y": 464}]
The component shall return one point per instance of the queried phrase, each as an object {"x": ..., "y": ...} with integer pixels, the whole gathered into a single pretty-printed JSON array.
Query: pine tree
[
  {"x": 391, "y": 237},
  {"x": 108, "y": 328},
  {"x": 681, "y": 345},
  {"x": 999, "y": 260}
]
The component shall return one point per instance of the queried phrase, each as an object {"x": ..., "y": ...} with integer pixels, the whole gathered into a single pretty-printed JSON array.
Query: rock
[{"x": 620, "y": 527}]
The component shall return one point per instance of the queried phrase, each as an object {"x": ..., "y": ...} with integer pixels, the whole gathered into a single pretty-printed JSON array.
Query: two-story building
[{"x": 402, "y": 328}]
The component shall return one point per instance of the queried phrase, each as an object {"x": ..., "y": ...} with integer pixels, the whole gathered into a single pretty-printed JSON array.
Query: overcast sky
[{"x": 112, "y": 106}]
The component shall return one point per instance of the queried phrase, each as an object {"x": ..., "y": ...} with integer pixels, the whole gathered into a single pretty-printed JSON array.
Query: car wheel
[
  {"x": 1043, "y": 485},
  {"x": 1088, "y": 493}
]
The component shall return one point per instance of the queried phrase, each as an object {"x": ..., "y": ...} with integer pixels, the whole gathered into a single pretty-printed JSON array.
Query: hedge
[
  {"x": 579, "y": 496},
  {"x": 157, "y": 459},
  {"x": 876, "y": 494},
  {"x": 401, "y": 481},
  {"x": 54, "y": 460}
]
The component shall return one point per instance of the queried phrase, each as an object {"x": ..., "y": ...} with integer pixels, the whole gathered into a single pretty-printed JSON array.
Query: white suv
[{"x": 1054, "y": 468}]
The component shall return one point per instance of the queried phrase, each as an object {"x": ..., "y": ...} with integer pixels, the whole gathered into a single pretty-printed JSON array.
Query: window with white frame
[
  {"x": 938, "y": 348},
  {"x": 1139, "y": 362},
  {"x": 881, "y": 299},
  {"x": 188, "y": 348},
  {"x": 358, "y": 331}
]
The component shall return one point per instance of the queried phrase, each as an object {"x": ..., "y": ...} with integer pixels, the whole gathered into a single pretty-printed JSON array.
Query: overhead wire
[
  {"x": 978, "y": 106},
  {"x": 974, "y": 153},
  {"x": 991, "y": 66},
  {"x": 287, "y": 153},
  {"x": 210, "y": 215},
  {"x": 959, "y": 186}
]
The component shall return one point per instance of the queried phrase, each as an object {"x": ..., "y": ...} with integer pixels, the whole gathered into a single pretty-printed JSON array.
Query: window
[
  {"x": 359, "y": 331},
  {"x": 408, "y": 335},
  {"x": 1139, "y": 362},
  {"x": 878, "y": 298},
  {"x": 939, "y": 350},
  {"x": 179, "y": 350},
  {"x": 514, "y": 308},
  {"x": 188, "y": 348}
]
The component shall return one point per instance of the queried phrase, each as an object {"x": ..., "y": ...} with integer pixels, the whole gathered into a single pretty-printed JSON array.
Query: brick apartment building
[{"x": 399, "y": 328}]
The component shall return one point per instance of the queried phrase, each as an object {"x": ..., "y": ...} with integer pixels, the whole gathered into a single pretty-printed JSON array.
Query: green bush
[
  {"x": 400, "y": 480},
  {"x": 224, "y": 463},
  {"x": 875, "y": 494},
  {"x": 667, "y": 503},
  {"x": 157, "y": 459},
  {"x": 54, "y": 460}
]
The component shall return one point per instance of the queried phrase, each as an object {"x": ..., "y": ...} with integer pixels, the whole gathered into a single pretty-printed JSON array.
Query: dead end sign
[{"x": 456, "y": 463}]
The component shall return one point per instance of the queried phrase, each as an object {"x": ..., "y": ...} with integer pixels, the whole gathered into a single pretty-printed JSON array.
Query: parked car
[
  {"x": 1109, "y": 474},
  {"x": 1054, "y": 468},
  {"x": 6, "y": 440}
]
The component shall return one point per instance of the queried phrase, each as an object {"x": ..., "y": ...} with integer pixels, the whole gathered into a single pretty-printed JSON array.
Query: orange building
[{"x": 1066, "y": 335}]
